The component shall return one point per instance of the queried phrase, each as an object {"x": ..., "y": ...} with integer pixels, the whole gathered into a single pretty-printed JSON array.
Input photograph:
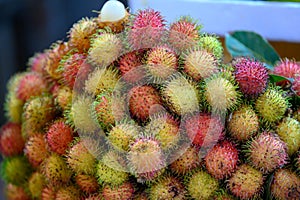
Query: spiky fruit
[
  {"x": 102, "y": 80},
  {"x": 105, "y": 49},
  {"x": 36, "y": 150},
  {"x": 68, "y": 193},
  {"x": 11, "y": 140},
  {"x": 211, "y": 44},
  {"x": 122, "y": 135},
  {"x": 223, "y": 195},
  {"x": 111, "y": 169},
  {"x": 144, "y": 101},
  {"x": 59, "y": 136},
  {"x": 296, "y": 85},
  {"x": 80, "y": 160},
  {"x": 267, "y": 152},
  {"x": 243, "y": 123},
  {"x": 252, "y": 76},
  {"x": 246, "y": 182},
  {"x": 161, "y": 62},
  {"x": 30, "y": 85},
  {"x": 36, "y": 183},
  {"x": 289, "y": 132},
  {"x": 147, "y": 29},
  {"x": 184, "y": 33},
  {"x": 221, "y": 94},
  {"x": 165, "y": 129},
  {"x": 48, "y": 193},
  {"x": 80, "y": 34},
  {"x": 199, "y": 63},
  {"x": 200, "y": 185},
  {"x": 287, "y": 68},
  {"x": 37, "y": 62},
  {"x": 15, "y": 170},
  {"x": 185, "y": 160},
  {"x": 221, "y": 161},
  {"x": 13, "y": 192},
  {"x": 87, "y": 183},
  {"x": 177, "y": 92},
  {"x": 13, "y": 107},
  {"x": 272, "y": 105},
  {"x": 55, "y": 170},
  {"x": 167, "y": 188},
  {"x": 121, "y": 192},
  {"x": 285, "y": 185},
  {"x": 146, "y": 159},
  {"x": 204, "y": 130},
  {"x": 64, "y": 97},
  {"x": 95, "y": 196}
]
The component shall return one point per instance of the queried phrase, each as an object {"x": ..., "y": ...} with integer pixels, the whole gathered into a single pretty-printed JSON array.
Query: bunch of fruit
[{"x": 132, "y": 108}]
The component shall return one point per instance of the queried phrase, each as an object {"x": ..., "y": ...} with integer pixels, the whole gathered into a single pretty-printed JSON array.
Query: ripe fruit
[
  {"x": 13, "y": 107},
  {"x": 87, "y": 183},
  {"x": 123, "y": 191},
  {"x": 13, "y": 192},
  {"x": 68, "y": 193},
  {"x": 296, "y": 85},
  {"x": 64, "y": 97},
  {"x": 211, "y": 44},
  {"x": 37, "y": 62},
  {"x": 36, "y": 184},
  {"x": 287, "y": 68}
]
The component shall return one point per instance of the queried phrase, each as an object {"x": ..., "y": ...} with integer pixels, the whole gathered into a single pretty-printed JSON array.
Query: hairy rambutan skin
[
  {"x": 147, "y": 29},
  {"x": 11, "y": 141},
  {"x": 95, "y": 196},
  {"x": 221, "y": 161},
  {"x": 285, "y": 185},
  {"x": 36, "y": 150},
  {"x": 287, "y": 68},
  {"x": 64, "y": 97},
  {"x": 243, "y": 123},
  {"x": 48, "y": 193},
  {"x": 13, "y": 192},
  {"x": 68, "y": 193},
  {"x": 81, "y": 33},
  {"x": 59, "y": 136},
  {"x": 201, "y": 185},
  {"x": 37, "y": 62},
  {"x": 289, "y": 132},
  {"x": 13, "y": 107},
  {"x": 30, "y": 85},
  {"x": 246, "y": 182},
  {"x": 267, "y": 152},
  {"x": 87, "y": 183},
  {"x": 199, "y": 64},
  {"x": 296, "y": 85},
  {"x": 144, "y": 101},
  {"x": 122, "y": 192},
  {"x": 36, "y": 183},
  {"x": 211, "y": 44},
  {"x": 204, "y": 130},
  {"x": 252, "y": 76}
]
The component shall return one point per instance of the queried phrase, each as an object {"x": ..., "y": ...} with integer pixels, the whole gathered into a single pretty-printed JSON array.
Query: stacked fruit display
[{"x": 132, "y": 108}]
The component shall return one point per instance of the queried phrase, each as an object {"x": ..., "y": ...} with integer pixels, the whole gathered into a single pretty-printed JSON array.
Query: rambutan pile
[{"x": 131, "y": 107}]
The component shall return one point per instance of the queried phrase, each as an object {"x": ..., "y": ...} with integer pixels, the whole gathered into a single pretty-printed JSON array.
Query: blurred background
[{"x": 30, "y": 26}]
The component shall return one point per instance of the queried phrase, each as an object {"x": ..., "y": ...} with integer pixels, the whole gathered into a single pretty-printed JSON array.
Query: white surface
[
  {"x": 112, "y": 11},
  {"x": 273, "y": 20}
]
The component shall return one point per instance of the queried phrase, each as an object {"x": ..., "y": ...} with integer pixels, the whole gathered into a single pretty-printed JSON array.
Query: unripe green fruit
[{"x": 36, "y": 184}]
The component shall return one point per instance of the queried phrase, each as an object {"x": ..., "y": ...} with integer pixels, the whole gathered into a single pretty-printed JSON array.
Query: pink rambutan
[
  {"x": 287, "y": 68},
  {"x": 37, "y": 62},
  {"x": 11, "y": 140},
  {"x": 251, "y": 76}
]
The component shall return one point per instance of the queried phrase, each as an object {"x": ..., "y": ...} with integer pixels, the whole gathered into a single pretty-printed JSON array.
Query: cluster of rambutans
[{"x": 136, "y": 109}]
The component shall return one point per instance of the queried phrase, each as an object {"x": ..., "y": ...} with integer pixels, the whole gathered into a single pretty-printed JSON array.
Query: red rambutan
[
  {"x": 296, "y": 85},
  {"x": 287, "y": 68}
]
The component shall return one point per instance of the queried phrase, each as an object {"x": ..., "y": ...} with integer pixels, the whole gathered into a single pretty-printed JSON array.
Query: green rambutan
[
  {"x": 289, "y": 132},
  {"x": 13, "y": 192},
  {"x": 243, "y": 123},
  {"x": 64, "y": 97},
  {"x": 211, "y": 44},
  {"x": 201, "y": 185},
  {"x": 285, "y": 185},
  {"x": 198, "y": 64},
  {"x": 87, "y": 183},
  {"x": 272, "y": 105},
  {"x": 36, "y": 183},
  {"x": 221, "y": 161},
  {"x": 68, "y": 193},
  {"x": 121, "y": 192},
  {"x": 267, "y": 152},
  {"x": 246, "y": 182},
  {"x": 11, "y": 141},
  {"x": 15, "y": 170},
  {"x": 13, "y": 107},
  {"x": 287, "y": 68}
]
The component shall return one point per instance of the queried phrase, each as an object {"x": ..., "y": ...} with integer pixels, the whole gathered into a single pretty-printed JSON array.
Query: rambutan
[
  {"x": 204, "y": 130},
  {"x": 11, "y": 141},
  {"x": 243, "y": 123},
  {"x": 68, "y": 193},
  {"x": 221, "y": 161},
  {"x": 13, "y": 192},
  {"x": 48, "y": 193},
  {"x": 296, "y": 85},
  {"x": 95, "y": 196},
  {"x": 287, "y": 68},
  {"x": 13, "y": 107},
  {"x": 64, "y": 97},
  {"x": 252, "y": 76},
  {"x": 87, "y": 183},
  {"x": 147, "y": 29},
  {"x": 199, "y": 63},
  {"x": 36, "y": 183},
  {"x": 211, "y": 44},
  {"x": 122, "y": 192},
  {"x": 37, "y": 62},
  {"x": 246, "y": 182},
  {"x": 267, "y": 152}
]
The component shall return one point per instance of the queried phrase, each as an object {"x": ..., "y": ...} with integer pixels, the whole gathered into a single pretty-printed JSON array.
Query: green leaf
[
  {"x": 276, "y": 78},
  {"x": 247, "y": 43}
]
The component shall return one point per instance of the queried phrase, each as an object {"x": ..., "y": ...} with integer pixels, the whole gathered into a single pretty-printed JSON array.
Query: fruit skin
[
  {"x": 144, "y": 101},
  {"x": 87, "y": 183},
  {"x": 167, "y": 187},
  {"x": 11, "y": 140},
  {"x": 243, "y": 123},
  {"x": 204, "y": 130},
  {"x": 287, "y": 68},
  {"x": 267, "y": 152},
  {"x": 48, "y": 193},
  {"x": 121, "y": 192},
  {"x": 296, "y": 85},
  {"x": 211, "y": 44},
  {"x": 13, "y": 108},
  {"x": 285, "y": 185},
  {"x": 252, "y": 76},
  {"x": 64, "y": 97},
  {"x": 246, "y": 182},
  {"x": 36, "y": 184},
  {"x": 199, "y": 64},
  {"x": 271, "y": 105},
  {"x": 13, "y": 192},
  {"x": 289, "y": 132},
  {"x": 68, "y": 193},
  {"x": 146, "y": 30},
  {"x": 200, "y": 185},
  {"x": 221, "y": 161},
  {"x": 37, "y": 62}
]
